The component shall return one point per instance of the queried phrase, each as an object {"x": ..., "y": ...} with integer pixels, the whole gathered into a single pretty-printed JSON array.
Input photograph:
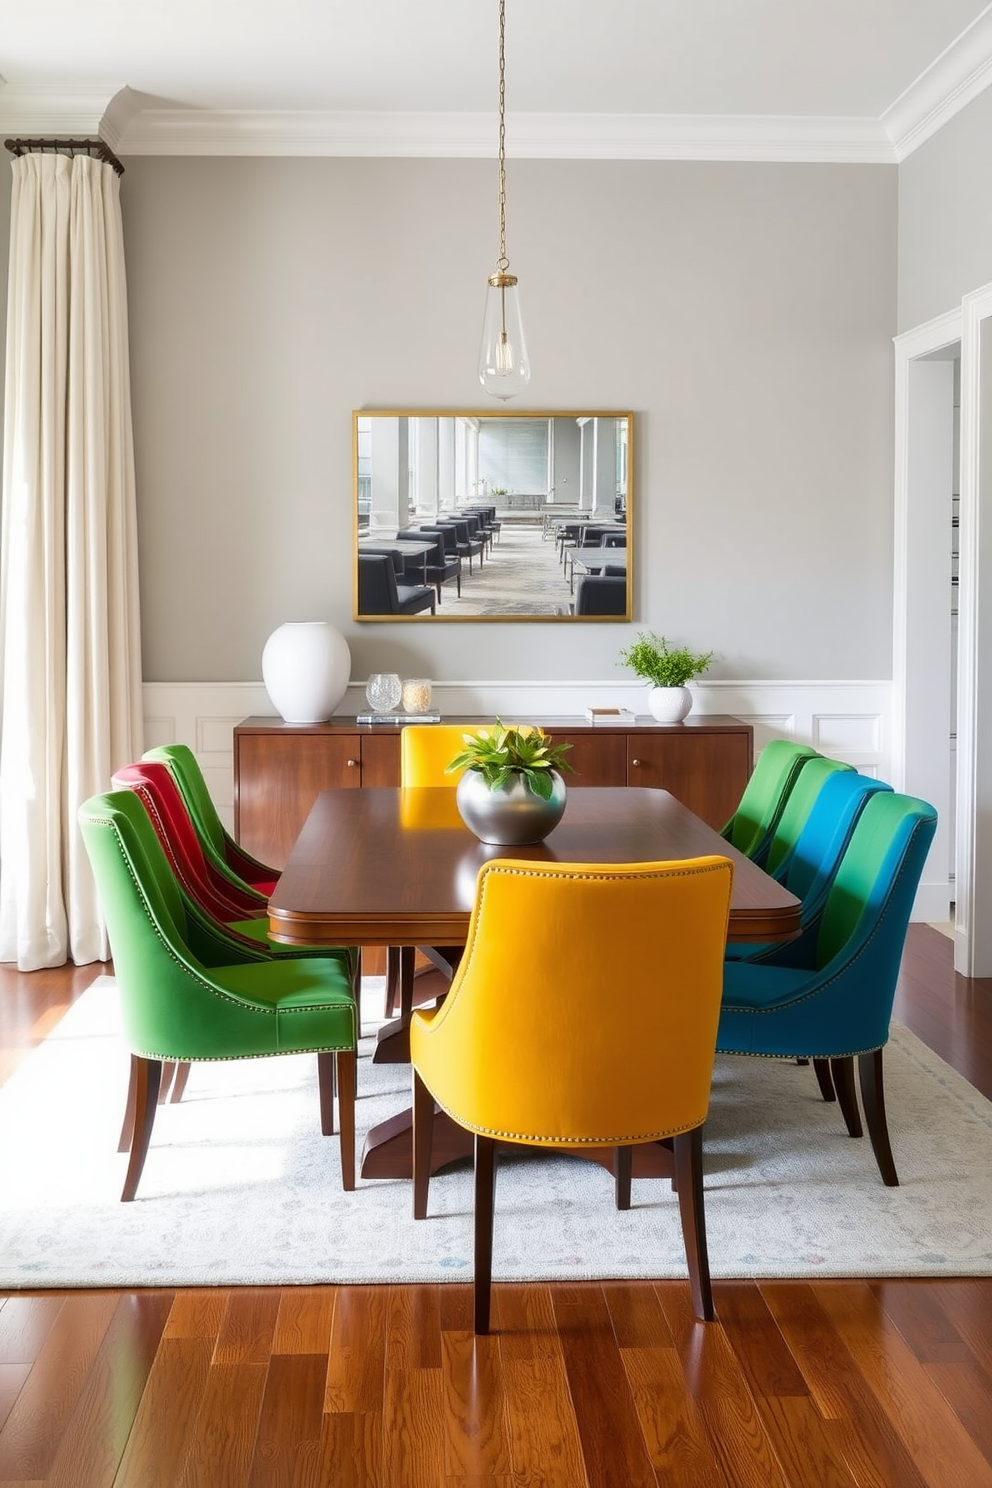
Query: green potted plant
[
  {"x": 511, "y": 791},
  {"x": 667, "y": 669}
]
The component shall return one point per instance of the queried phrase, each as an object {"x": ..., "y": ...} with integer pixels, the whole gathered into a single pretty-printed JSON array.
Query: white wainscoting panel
[
  {"x": 851, "y": 721},
  {"x": 847, "y": 720}
]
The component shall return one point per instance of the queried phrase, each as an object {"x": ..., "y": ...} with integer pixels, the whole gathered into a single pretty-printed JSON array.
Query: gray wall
[
  {"x": 743, "y": 312},
  {"x": 945, "y": 216}
]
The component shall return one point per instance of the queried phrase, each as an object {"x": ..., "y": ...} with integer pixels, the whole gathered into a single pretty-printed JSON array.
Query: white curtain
[{"x": 69, "y": 625}]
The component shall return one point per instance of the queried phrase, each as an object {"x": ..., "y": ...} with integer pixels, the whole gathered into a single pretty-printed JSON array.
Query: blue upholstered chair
[
  {"x": 797, "y": 806},
  {"x": 808, "y": 869},
  {"x": 839, "y": 1005},
  {"x": 752, "y": 825}
]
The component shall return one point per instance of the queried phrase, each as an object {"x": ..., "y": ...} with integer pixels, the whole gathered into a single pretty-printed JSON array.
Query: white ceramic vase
[
  {"x": 669, "y": 704},
  {"x": 305, "y": 667}
]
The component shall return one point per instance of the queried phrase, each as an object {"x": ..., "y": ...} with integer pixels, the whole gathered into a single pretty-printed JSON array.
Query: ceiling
[{"x": 799, "y": 79}]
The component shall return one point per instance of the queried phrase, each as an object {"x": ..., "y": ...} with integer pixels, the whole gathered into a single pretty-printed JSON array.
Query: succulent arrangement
[{"x": 506, "y": 750}]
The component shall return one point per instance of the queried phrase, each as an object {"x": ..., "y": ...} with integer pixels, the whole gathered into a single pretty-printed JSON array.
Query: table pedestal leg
[{"x": 388, "y": 1150}]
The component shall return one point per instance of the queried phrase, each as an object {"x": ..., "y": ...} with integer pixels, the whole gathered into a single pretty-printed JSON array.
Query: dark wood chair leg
[
  {"x": 485, "y": 1193},
  {"x": 821, "y": 1068},
  {"x": 873, "y": 1096},
  {"x": 392, "y": 979},
  {"x": 326, "y": 1082},
  {"x": 407, "y": 958},
  {"x": 688, "y": 1148},
  {"x": 423, "y": 1136},
  {"x": 842, "y": 1074},
  {"x": 127, "y": 1125},
  {"x": 165, "y": 1084},
  {"x": 147, "y": 1081},
  {"x": 623, "y": 1167},
  {"x": 179, "y": 1079},
  {"x": 346, "y": 1062}
]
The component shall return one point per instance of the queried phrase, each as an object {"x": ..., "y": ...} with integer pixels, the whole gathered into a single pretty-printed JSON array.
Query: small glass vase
[
  {"x": 416, "y": 695},
  {"x": 384, "y": 691}
]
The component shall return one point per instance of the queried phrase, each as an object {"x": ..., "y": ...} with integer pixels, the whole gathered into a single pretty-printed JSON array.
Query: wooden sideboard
[{"x": 281, "y": 768}]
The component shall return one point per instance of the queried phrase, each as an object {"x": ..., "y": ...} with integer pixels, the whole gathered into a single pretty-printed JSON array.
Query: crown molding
[
  {"x": 952, "y": 81},
  {"x": 50, "y": 108},
  {"x": 529, "y": 136},
  {"x": 131, "y": 125}
]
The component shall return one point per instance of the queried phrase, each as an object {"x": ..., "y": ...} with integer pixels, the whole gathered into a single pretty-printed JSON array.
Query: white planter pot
[
  {"x": 669, "y": 704},
  {"x": 305, "y": 667}
]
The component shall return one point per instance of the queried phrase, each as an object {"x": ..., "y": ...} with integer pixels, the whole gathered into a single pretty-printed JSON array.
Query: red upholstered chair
[{"x": 219, "y": 896}]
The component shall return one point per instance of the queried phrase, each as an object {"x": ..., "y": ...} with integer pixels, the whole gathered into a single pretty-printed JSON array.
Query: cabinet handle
[
  {"x": 352, "y": 763},
  {"x": 635, "y": 763}
]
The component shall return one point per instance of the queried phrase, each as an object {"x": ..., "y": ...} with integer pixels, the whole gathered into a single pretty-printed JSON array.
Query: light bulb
[{"x": 503, "y": 364}]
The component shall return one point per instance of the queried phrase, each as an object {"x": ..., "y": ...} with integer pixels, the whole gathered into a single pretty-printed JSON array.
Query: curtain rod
[{"x": 94, "y": 147}]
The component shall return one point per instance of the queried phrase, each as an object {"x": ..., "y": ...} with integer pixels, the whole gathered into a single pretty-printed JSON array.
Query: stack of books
[{"x": 609, "y": 715}]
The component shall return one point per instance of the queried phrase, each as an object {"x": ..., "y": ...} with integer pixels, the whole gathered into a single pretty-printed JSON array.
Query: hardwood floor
[{"x": 882, "y": 1384}]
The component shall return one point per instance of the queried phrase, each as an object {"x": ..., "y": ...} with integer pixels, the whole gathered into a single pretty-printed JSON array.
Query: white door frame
[
  {"x": 921, "y": 724},
  {"x": 921, "y": 630},
  {"x": 973, "y": 929}
]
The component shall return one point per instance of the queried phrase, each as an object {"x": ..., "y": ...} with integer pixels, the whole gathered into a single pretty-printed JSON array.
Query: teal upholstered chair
[
  {"x": 753, "y": 824},
  {"x": 188, "y": 991},
  {"x": 838, "y": 1006},
  {"x": 218, "y": 844},
  {"x": 797, "y": 805},
  {"x": 808, "y": 869}
]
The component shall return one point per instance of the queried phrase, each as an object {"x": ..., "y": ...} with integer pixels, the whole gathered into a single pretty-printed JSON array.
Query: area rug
[{"x": 240, "y": 1188}]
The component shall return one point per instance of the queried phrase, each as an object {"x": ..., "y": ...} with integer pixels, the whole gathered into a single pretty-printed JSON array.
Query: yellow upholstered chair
[
  {"x": 533, "y": 1047},
  {"x": 426, "y": 750}
]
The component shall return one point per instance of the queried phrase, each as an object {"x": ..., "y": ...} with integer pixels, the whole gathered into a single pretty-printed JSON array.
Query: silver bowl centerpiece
[{"x": 511, "y": 792}]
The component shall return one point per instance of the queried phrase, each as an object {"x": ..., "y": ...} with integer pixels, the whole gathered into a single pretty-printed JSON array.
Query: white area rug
[{"x": 240, "y": 1187}]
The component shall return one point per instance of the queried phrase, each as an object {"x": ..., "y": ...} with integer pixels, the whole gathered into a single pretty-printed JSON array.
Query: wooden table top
[{"x": 382, "y": 866}]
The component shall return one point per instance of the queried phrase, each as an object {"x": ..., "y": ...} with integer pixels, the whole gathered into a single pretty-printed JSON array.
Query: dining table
[{"x": 397, "y": 867}]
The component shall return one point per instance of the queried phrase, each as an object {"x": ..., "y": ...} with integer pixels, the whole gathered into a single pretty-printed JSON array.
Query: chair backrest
[
  {"x": 377, "y": 591},
  {"x": 435, "y": 557},
  {"x": 143, "y": 908},
  {"x": 172, "y": 1005},
  {"x": 426, "y": 749},
  {"x": 798, "y": 805},
  {"x": 154, "y": 784},
  {"x": 752, "y": 824},
  {"x": 547, "y": 1056},
  {"x": 871, "y": 897},
  {"x": 809, "y": 869},
  {"x": 184, "y": 767},
  {"x": 613, "y": 540},
  {"x": 600, "y": 594},
  {"x": 448, "y": 536}
]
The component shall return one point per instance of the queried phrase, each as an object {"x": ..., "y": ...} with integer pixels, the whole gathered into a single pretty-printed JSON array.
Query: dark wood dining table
[{"x": 397, "y": 867}]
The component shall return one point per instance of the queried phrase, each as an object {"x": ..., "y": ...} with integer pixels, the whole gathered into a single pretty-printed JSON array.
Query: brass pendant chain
[{"x": 502, "y": 263}]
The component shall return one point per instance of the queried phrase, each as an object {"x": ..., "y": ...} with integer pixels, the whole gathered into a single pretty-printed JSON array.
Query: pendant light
[{"x": 503, "y": 365}]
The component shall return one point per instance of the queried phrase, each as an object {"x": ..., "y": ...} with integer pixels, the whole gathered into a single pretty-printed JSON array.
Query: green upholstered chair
[
  {"x": 189, "y": 992},
  {"x": 218, "y": 844},
  {"x": 838, "y": 1006},
  {"x": 799, "y": 802},
  {"x": 753, "y": 824}
]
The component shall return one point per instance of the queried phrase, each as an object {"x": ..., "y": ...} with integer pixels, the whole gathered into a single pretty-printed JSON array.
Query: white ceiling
[{"x": 810, "y": 79}]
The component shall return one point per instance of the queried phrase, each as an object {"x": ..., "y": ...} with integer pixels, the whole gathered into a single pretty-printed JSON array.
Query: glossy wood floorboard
[{"x": 800, "y": 1384}]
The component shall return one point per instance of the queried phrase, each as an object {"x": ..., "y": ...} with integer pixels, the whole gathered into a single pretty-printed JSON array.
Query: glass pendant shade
[{"x": 503, "y": 364}]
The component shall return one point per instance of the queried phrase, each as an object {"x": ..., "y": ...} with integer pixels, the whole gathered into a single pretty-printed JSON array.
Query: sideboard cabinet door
[
  {"x": 706, "y": 772},
  {"x": 278, "y": 776},
  {"x": 594, "y": 758}
]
